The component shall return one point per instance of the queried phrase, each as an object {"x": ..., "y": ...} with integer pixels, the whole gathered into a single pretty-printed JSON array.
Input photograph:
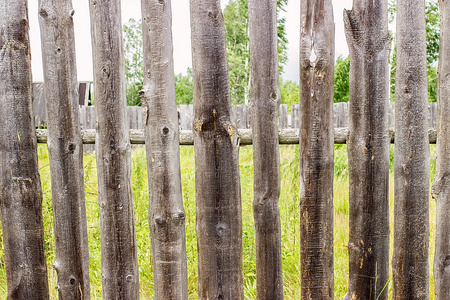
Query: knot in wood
[
  {"x": 165, "y": 131},
  {"x": 72, "y": 280},
  {"x": 43, "y": 13},
  {"x": 273, "y": 96},
  {"x": 221, "y": 230}
]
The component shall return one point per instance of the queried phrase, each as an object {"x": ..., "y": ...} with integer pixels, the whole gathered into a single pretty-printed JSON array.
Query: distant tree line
[{"x": 236, "y": 32}]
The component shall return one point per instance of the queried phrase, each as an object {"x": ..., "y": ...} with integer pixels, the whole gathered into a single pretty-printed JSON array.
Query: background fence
[{"x": 241, "y": 114}]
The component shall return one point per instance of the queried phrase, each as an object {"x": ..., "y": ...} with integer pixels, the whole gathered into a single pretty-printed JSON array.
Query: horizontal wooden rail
[{"x": 286, "y": 136}]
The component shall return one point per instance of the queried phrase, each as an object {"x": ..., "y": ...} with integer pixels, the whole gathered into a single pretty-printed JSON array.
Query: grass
[{"x": 290, "y": 222}]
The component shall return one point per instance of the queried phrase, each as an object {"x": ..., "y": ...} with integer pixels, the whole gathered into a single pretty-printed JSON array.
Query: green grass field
[{"x": 289, "y": 209}]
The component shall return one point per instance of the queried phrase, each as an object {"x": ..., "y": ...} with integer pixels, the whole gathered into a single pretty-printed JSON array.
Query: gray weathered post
[
  {"x": 65, "y": 148},
  {"x": 20, "y": 184},
  {"x": 441, "y": 184},
  {"x": 316, "y": 148},
  {"x": 166, "y": 212},
  {"x": 412, "y": 155},
  {"x": 120, "y": 276},
  {"x": 264, "y": 101},
  {"x": 366, "y": 27},
  {"x": 216, "y": 142}
]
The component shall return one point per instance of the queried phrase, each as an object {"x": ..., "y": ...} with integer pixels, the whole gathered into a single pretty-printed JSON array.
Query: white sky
[{"x": 181, "y": 35}]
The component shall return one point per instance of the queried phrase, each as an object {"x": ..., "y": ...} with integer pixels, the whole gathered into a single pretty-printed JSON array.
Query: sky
[{"x": 180, "y": 31}]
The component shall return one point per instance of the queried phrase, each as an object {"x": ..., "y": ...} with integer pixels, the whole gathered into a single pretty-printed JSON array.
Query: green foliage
[
  {"x": 237, "y": 41},
  {"x": 433, "y": 32},
  {"x": 432, "y": 83},
  {"x": 184, "y": 88},
  {"x": 393, "y": 71},
  {"x": 134, "y": 67},
  {"x": 341, "y": 79},
  {"x": 289, "y": 92},
  {"x": 289, "y": 218},
  {"x": 134, "y": 61},
  {"x": 433, "y": 29},
  {"x": 282, "y": 35}
]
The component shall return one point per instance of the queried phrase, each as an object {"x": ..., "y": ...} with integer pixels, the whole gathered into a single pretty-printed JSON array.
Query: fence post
[
  {"x": 441, "y": 184},
  {"x": 217, "y": 186},
  {"x": 366, "y": 28},
  {"x": 316, "y": 149},
  {"x": 264, "y": 102},
  {"x": 20, "y": 184},
  {"x": 65, "y": 149},
  {"x": 166, "y": 212},
  {"x": 411, "y": 155},
  {"x": 120, "y": 276}
]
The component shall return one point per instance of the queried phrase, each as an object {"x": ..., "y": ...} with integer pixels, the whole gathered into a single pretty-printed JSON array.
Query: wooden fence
[
  {"x": 215, "y": 129},
  {"x": 241, "y": 115}
]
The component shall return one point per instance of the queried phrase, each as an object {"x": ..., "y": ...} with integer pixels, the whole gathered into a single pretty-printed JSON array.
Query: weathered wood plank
[
  {"x": 411, "y": 155},
  {"x": 65, "y": 148},
  {"x": 20, "y": 184},
  {"x": 217, "y": 186},
  {"x": 316, "y": 149},
  {"x": 265, "y": 101},
  {"x": 441, "y": 184},
  {"x": 120, "y": 274},
  {"x": 285, "y": 136},
  {"x": 166, "y": 212},
  {"x": 295, "y": 117},
  {"x": 283, "y": 118},
  {"x": 366, "y": 27}
]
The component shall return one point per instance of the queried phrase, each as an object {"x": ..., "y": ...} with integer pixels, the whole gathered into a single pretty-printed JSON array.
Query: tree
[
  {"x": 236, "y": 32},
  {"x": 183, "y": 88},
  {"x": 366, "y": 28},
  {"x": 65, "y": 149},
  {"x": 432, "y": 19},
  {"x": 412, "y": 157},
  {"x": 289, "y": 91},
  {"x": 166, "y": 212},
  {"x": 134, "y": 66},
  {"x": 217, "y": 185},
  {"x": 235, "y": 17},
  {"x": 134, "y": 61},
  {"x": 316, "y": 149},
  {"x": 265, "y": 100},
  {"x": 120, "y": 273},
  {"x": 20, "y": 183},
  {"x": 341, "y": 79}
]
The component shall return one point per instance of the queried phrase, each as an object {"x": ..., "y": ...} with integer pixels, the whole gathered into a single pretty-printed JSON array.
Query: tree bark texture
[
  {"x": 265, "y": 100},
  {"x": 412, "y": 157},
  {"x": 120, "y": 276},
  {"x": 217, "y": 185},
  {"x": 441, "y": 184},
  {"x": 316, "y": 148},
  {"x": 65, "y": 149},
  {"x": 166, "y": 212},
  {"x": 20, "y": 183},
  {"x": 366, "y": 28}
]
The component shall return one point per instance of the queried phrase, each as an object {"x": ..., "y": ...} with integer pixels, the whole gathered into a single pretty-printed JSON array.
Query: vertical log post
[
  {"x": 441, "y": 184},
  {"x": 166, "y": 212},
  {"x": 316, "y": 148},
  {"x": 366, "y": 27},
  {"x": 120, "y": 276},
  {"x": 412, "y": 155},
  {"x": 216, "y": 142},
  {"x": 264, "y": 101},
  {"x": 20, "y": 183},
  {"x": 65, "y": 149}
]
